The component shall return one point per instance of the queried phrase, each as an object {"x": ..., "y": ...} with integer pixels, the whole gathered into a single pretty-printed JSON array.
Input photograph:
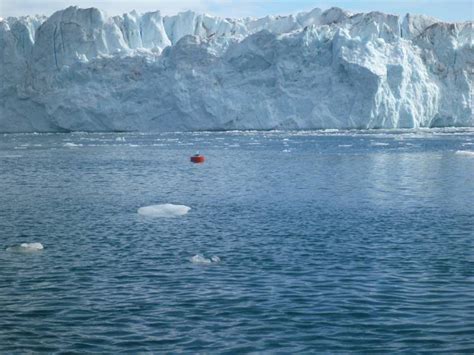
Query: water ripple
[{"x": 345, "y": 245}]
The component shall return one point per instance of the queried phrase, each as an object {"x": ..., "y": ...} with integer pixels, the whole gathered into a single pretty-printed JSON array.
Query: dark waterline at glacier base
[{"x": 328, "y": 242}]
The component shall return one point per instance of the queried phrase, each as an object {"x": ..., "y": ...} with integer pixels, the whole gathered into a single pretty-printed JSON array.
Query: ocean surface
[{"x": 320, "y": 242}]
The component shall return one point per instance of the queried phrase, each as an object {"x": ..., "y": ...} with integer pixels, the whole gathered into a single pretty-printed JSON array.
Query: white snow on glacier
[{"x": 80, "y": 70}]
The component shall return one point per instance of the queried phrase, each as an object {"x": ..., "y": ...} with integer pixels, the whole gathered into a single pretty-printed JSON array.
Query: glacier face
[{"x": 80, "y": 70}]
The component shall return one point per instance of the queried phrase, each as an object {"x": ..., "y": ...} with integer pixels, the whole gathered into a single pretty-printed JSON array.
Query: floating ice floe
[
  {"x": 200, "y": 259},
  {"x": 26, "y": 247},
  {"x": 380, "y": 144},
  {"x": 166, "y": 210},
  {"x": 468, "y": 153}
]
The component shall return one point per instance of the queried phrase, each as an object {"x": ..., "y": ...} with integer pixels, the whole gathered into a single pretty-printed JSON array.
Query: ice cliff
[{"x": 82, "y": 70}]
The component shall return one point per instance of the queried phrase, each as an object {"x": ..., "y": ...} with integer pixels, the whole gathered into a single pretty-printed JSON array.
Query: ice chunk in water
[
  {"x": 26, "y": 247},
  {"x": 72, "y": 145},
  {"x": 164, "y": 211},
  {"x": 465, "y": 152},
  {"x": 200, "y": 259}
]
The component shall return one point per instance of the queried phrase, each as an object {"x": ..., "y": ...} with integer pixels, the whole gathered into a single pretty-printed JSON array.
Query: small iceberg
[
  {"x": 72, "y": 145},
  {"x": 468, "y": 153},
  {"x": 26, "y": 247},
  {"x": 200, "y": 259},
  {"x": 166, "y": 210}
]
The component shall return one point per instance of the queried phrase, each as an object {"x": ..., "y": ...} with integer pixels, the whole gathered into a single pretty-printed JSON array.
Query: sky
[{"x": 446, "y": 10}]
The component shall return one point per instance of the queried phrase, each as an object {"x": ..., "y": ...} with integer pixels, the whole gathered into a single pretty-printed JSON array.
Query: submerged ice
[
  {"x": 201, "y": 259},
  {"x": 26, "y": 247},
  {"x": 164, "y": 211},
  {"x": 81, "y": 70}
]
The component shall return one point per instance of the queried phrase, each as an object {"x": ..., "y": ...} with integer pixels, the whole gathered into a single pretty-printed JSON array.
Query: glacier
[{"x": 81, "y": 70}]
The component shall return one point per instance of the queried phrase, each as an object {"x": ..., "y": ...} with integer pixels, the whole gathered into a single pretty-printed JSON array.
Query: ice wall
[{"x": 82, "y": 70}]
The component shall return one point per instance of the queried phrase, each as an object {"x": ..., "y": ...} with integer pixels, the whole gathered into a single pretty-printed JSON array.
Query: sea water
[{"x": 286, "y": 242}]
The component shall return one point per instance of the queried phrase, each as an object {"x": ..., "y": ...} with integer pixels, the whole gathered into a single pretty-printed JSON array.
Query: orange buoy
[{"x": 197, "y": 158}]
